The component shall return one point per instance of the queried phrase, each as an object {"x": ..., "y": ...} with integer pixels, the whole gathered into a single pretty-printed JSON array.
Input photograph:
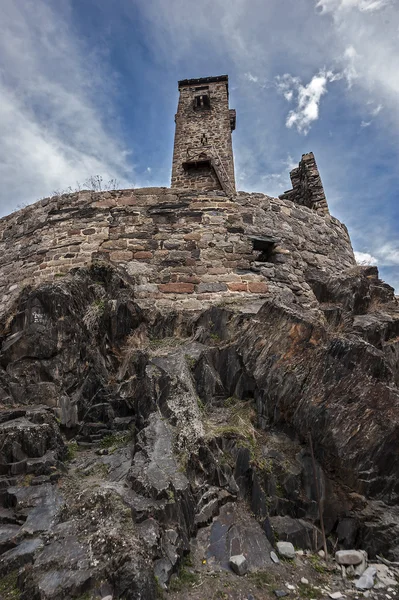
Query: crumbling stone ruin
[
  {"x": 195, "y": 382},
  {"x": 307, "y": 188}
]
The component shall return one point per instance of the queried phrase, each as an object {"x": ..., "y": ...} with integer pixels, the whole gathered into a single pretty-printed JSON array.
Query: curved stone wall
[{"x": 191, "y": 248}]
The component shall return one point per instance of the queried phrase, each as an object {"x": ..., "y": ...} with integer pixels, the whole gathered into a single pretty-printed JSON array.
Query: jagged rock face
[{"x": 184, "y": 417}]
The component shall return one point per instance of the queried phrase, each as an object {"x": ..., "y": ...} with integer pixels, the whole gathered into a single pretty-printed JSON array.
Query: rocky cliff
[{"x": 166, "y": 361}]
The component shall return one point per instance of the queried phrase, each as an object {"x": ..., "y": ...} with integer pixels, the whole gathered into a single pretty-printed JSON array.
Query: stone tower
[{"x": 203, "y": 152}]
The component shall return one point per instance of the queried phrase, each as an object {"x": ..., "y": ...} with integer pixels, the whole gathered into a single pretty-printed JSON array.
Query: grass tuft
[{"x": 9, "y": 587}]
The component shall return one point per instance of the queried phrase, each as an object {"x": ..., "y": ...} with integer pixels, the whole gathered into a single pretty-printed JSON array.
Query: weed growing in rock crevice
[
  {"x": 185, "y": 577},
  {"x": 9, "y": 588},
  {"x": 117, "y": 440}
]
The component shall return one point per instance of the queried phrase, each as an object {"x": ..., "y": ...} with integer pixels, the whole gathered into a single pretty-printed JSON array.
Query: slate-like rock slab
[
  {"x": 274, "y": 557},
  {"x": 20, "y": 555},
  {"x": 44, "y": 514},
  {"x": 300, "y": 533},
  {"x": 366, "y": 581},
  {"x": 8, "y": 534},
  {"x": 154, "y": 469},
  {"x": 231, "y": 534},
  {"x": 385, "y": 576},
  {"x": 62, "y": 584}
]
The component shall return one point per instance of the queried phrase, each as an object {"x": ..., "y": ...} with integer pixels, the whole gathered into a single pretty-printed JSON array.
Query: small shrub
[
  {"x": 262, "y": 579},
  {"x": 201, "y": 406},
  {"x": 93, "y": 314},
  {"x": 317, "y": 564},
  {"x": 9, "y": 588},
  {"x": 159, "y": 591},
  {"x": 190, "y": 361},
  {"x": 306, "y": 590},
  {"x": 72, "y": 448},
  {"x": 185, "y": 579},
  {"x": 27, "y": 480},
  {"x": 117, "y": 440}
]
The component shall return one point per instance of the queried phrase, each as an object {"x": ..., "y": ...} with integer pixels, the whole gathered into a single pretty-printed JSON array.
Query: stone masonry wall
[
  {"x": 185, "y": 248},
  {"x": 203, "y": 129},
  {"x": 307, "y": 188}
]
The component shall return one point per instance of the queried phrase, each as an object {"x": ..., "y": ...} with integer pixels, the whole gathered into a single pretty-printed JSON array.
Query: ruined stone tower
[{"x": 203, "y": 152}]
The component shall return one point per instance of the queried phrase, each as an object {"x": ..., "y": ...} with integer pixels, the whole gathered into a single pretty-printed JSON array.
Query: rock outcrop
[{"x": 162, "y": 398}]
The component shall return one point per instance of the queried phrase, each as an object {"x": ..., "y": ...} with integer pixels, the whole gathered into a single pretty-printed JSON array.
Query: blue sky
[{"x": 89, "y": 87}]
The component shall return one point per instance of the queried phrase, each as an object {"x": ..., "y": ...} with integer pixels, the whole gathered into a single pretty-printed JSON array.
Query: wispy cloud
[
  {"x": 389, "y": 254},
  {"x": 344, "y": 5},
  {"x": 53, "y": 98},
  {"x": 307, "y": 98},
  {"x": 278, "y": 181},
  {"x": 349, "y": 71},
  {"x": 251, "y": 78},
  {"x": 366, "y": 39},
  {"x": 376, "y": 111}
]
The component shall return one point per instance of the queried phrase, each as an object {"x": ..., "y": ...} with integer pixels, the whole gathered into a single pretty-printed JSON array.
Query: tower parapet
[{"x": 203, "y": 152}]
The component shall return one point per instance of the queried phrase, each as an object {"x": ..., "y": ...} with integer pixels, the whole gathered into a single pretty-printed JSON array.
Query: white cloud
[
  {"x": 365, "y": 124},
  {"x": 389, "y": 254},
  {"x": 386, "y": 255},
  {"x": 366, "y": 40},
  {"x": 377, "y": 110},
  {"x": 365, "y": 258},
  {"x": 53, "y": 96},
  {"x": 350, "y": 73},
  {"x": 342, "y": 5},
  {"x": 251, "y": 78},
  {"x": 308, "y": 97}
]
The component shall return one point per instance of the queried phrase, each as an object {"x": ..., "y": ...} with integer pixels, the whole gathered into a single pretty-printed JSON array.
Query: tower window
[{"x": 202, "y": 101}]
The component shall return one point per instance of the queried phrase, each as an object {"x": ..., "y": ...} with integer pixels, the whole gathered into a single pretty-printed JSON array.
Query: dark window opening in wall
[
  {"x": 202, "y": 88},
  {"x": 194, "y": 165},
  {"x": 265, "y": 246},
  {"x": 202, "y": 102}
]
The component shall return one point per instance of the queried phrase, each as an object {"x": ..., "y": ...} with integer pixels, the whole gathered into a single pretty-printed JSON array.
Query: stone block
[
  {"x": 128, "y": 201},
  {"x": 176, "y": 288},
  {"x": 189, "y": 279},
  {"x": 238, "y": 287},
  {"x": 257, "y": 287},
  {"x": 121, "y": 255},
  {"x": 210, "y": 287},
  {"x": 142, "y": 255},
  {"x": 108, "y": 203},
  {"x": 118, "y": 244}
]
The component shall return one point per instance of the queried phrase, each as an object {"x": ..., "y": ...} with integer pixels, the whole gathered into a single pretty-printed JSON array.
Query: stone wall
[
  {"x": 307, "y": 188},
  {"x": 203, "y": 133},
  {"x": 188, "y": 248}
]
